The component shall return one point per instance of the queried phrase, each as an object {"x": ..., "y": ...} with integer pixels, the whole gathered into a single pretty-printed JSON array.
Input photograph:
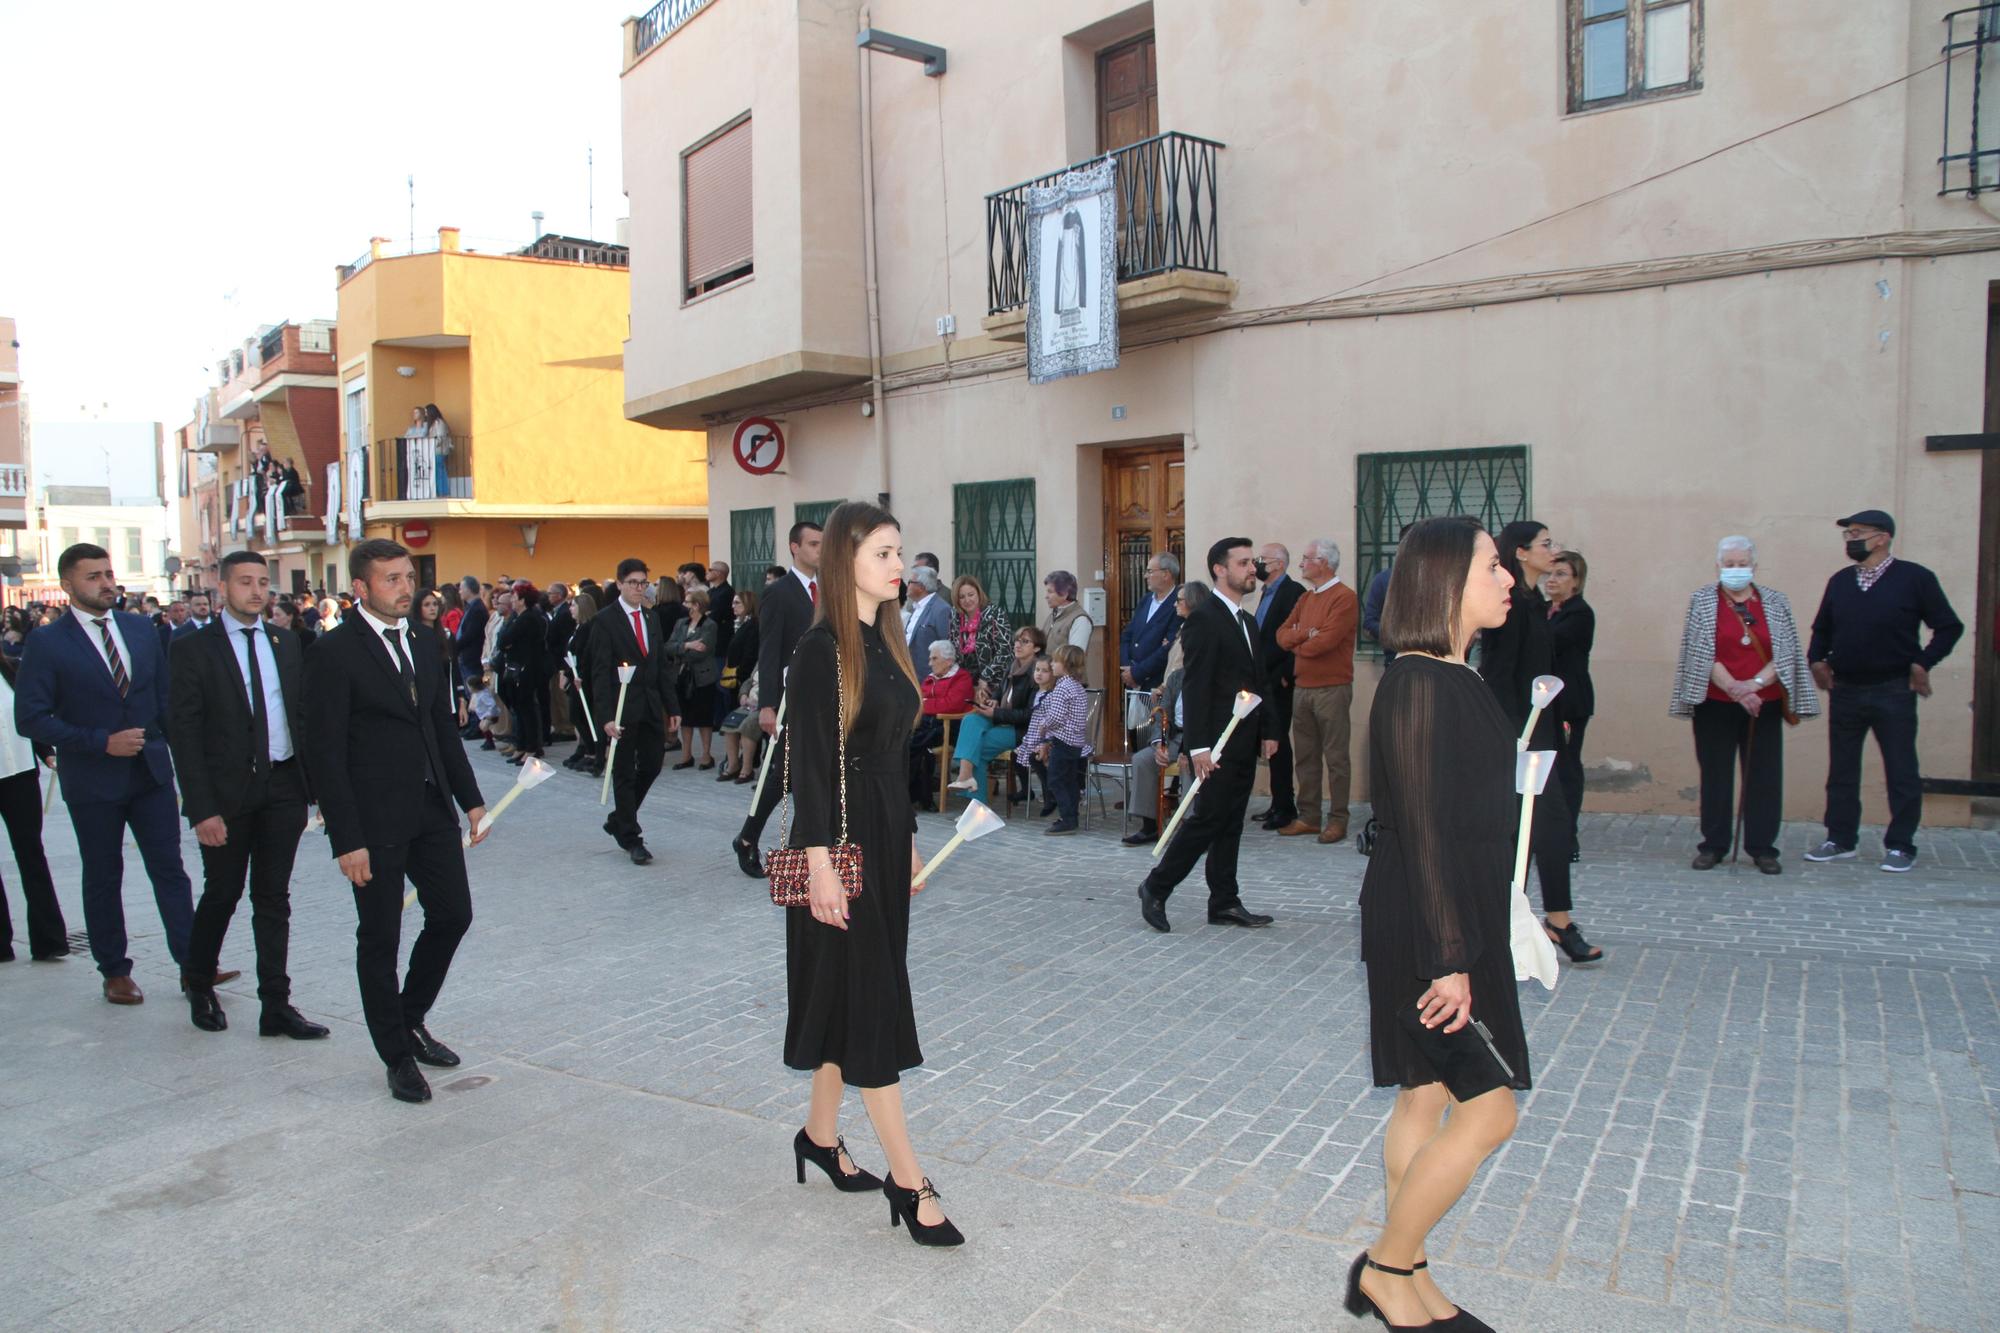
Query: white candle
[{"x": 625, "y": 673}]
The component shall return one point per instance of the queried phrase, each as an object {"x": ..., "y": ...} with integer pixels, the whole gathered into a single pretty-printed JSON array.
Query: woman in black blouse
[
  {"x": 850, "y": 1019},
  {"x": 1572, "y": 632},
  {"x": 1435, "y": 903},
  {"x": 1510, "y": 657}
]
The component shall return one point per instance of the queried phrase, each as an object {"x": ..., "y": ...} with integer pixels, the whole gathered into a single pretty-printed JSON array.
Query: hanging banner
[
  {"x": 357, "y": 477},
  {"x": 420, "y": 468},
  {"x": 332, "y": 503},
  {"x": 1073, "y": 274},
  {"x": 274, "y": 512}
]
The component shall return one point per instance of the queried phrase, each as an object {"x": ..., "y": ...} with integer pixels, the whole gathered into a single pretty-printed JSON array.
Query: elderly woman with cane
[{"x": 1742, "y": 678}]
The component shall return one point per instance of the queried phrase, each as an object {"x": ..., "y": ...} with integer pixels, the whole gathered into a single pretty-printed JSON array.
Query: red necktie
[
  {"x": 639, "y": 631},
  {"x": 812, "y": 590}
]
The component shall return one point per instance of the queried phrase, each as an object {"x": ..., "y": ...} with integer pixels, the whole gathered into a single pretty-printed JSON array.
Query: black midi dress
[
  {"x": 1435, "y": 899},
  {"x": 849, "y": 990}
]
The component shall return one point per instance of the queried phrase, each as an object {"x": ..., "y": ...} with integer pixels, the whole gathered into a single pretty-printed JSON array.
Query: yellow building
[{"x": 541, "y": 475}]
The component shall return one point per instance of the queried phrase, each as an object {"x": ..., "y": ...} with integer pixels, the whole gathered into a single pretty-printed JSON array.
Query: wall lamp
[{"x": 889, "y": 44}]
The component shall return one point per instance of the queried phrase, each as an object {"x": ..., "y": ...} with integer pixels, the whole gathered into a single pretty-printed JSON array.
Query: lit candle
[
  {"x": 625, "y": 673},
  {"x": 1244, "y": 705}
]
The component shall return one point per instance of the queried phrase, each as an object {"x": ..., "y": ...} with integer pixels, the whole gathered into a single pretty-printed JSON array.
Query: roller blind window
[{"x": 715, "y": 186}]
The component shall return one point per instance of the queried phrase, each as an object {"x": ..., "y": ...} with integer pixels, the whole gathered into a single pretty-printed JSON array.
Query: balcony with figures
[
  {"x": 263, "y": 517},
  {"x": 420, "y": 477},
  {"x": 1168, "y": 261}
]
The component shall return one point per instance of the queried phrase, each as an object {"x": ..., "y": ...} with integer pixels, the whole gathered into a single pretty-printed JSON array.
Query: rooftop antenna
[
  {"x": 413, "y": 212},
  {"x": 590, "y": 192}
]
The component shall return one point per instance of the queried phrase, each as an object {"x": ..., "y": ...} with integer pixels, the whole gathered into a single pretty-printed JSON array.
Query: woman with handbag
[
  {"x": 848, "y": 863},
  {"x": 692, "y": 647},
  {"x": 1444, "y": 1016},
  {"x": 1742, "y": 679}
]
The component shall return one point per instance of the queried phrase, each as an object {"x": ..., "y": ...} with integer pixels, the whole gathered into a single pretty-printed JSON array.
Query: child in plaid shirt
[{"x": 1056, "y": 733}]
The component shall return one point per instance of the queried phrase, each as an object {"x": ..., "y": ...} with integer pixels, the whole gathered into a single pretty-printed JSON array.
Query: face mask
[
  {"x": 1737, "y": 577},
  {"x": 1857, "y": 549}
]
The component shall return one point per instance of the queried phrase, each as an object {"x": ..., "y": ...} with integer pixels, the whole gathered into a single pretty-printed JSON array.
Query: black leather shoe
[
  {"x": 288, "y": 1022},
  {"x": 205, "y": 1009},
  {"x": 1154, "y": 911},
  {"x": 747, "y": 859},
  {"x": 406, "y": 1082},
  {"x": 429, "y": 1050},
  {"x": 1279, "y": 820},
  {"x": 1704, "y": 860},
  {"x": 1239, "y": 915},
  {"x": 1769, "y": 864},
  {"x": 6, "y": 953},
  {"x": 1145, "y": 835},
  {"x": 640, "y": 856},
  {"x": 53, "y": 956}
]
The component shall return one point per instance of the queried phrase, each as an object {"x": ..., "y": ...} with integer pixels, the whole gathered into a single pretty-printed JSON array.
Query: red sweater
[{"x": 953, "y": 694}]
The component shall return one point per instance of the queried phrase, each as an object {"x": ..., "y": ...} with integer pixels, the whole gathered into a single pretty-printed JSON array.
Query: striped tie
[{"x": 118, "y": 676}]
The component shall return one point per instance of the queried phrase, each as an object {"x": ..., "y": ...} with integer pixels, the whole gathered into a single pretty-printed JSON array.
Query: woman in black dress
[
  {"x": 1510, "y": 657},
  {"x": 846, "y": 960},
  {"x": 1572, "y": 633},
  {"x": 1435, "y": 902}
]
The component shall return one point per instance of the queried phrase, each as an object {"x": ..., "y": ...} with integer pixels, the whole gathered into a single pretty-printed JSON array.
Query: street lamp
[{"x": 889, "y": 44}]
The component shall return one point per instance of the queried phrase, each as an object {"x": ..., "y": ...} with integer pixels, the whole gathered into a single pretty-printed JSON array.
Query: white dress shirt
[
  {"x": 628, "y": 609},
  {"x": 812, "y": 584},
  {"x": 17, "y": 753},
  {"x": 89, "y": 624},
  {"x": 279, "y": 724},
  {"x": 398, "y": 652}
]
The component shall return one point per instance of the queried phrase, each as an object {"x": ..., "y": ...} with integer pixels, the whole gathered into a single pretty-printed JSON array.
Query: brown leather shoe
[
  {"x": 1298, "y": 828},
  {"x": 123, "y": 990},
  {"x": 1334, "y": 833}
]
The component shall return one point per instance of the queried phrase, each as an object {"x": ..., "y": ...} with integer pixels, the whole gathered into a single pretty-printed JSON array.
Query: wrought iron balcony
[
  {"x": 408, "y": 468},
  {"x": 1166, "y": 217},
  {"x": 660, "y": 23},
  {"x": 1970, "y": 160},
  {"x": 272, "y": 347}
]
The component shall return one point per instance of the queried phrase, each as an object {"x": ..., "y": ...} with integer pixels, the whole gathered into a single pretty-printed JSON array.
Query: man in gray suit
[{"x": 926, "y": 619}]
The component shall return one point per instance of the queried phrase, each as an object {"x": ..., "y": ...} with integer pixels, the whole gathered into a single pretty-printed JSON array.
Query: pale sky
[{"x": 177, "y": 175}]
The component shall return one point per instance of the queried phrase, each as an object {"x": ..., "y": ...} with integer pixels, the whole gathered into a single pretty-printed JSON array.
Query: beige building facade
[{"x": 1651, "y": 273}]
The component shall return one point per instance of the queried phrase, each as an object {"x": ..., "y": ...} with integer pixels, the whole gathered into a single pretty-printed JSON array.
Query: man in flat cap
[{"x": 1866, "y": 655}]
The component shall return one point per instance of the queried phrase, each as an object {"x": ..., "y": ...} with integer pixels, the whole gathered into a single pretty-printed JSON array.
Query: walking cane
[{"x": 1743, "y": 796}]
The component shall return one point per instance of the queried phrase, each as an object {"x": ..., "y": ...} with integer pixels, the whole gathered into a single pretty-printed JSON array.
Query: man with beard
[{"x": 386, "y": 762}]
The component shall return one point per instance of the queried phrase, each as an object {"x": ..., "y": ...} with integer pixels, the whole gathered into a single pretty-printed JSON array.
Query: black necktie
[
  {"x": 260, "y": 718},
  {"x": 403, "y": 667},
  {"x": 1249, "y": 624}
]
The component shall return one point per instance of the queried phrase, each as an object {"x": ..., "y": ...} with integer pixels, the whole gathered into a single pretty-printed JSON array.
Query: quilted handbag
[{"x": 789, "y": 872}]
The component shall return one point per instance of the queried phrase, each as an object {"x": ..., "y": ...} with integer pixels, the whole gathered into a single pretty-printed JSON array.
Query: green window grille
[
  {"x": 752, "y": 538},
  {"x": 814, "y": 511},
  {"x": 993, "y": 539},
  {"x": 1394, "y": 489}
]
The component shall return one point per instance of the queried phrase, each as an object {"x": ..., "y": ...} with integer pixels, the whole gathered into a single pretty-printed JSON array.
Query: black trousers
[
  {"x": 1284, "y": 799},
  {"x": 1215, "y": 827},
  {"x": 263, "y": 842},
  {"x": 529, "y": 715},
  {"x": 434, "y": 861},
  {"x": 774, "y": 791},
  {"x": 641, "y": 753},
  {"x": 1722, "y": 731},
  {"x": 588, "y": 739},
  {"x": 1890, "y": 711},
  {"x": 21, "y": 807},
  {"x": 1569, "y": 771}
]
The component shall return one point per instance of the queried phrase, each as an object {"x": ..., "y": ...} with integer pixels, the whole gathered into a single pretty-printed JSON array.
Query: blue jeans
[
  {"x": 100, "y": 838},
  {"x": 1890, "y": 711},
  {"x": 981, "y": 740}
]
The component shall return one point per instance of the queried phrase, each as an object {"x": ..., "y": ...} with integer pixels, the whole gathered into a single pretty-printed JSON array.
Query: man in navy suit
[
  {"x": 200, "y": 616},
  {"x": 94, "y": 685},
  {"x": 1156, "y": 622}
]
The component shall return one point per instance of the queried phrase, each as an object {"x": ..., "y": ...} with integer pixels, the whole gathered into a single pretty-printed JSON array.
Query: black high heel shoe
[
  {"x": 903, "y": 1208},
  {"x": 1359, "y": 1305},
  {"x": 1571, "y": 941},
  {"x": 828, "y": 1160}
]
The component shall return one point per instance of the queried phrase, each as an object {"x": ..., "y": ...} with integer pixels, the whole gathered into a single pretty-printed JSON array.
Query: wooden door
[
  {"x": 1145, "y": 510},
  {"x": 1128, "y": 93}
]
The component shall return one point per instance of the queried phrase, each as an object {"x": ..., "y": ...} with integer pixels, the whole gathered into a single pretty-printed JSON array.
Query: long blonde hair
[{"x": 847, "y": 527}]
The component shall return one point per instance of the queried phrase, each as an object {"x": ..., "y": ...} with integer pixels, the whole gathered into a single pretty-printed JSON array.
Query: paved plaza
[{"x": 1772, "y": 1107}]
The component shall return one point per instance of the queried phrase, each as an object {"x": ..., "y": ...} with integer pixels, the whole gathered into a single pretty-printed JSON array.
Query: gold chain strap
[{"x": 840, "y": 730}]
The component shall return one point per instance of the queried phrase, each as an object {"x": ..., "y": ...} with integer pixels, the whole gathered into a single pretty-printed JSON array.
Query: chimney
[{"x": 448, "y": 240}]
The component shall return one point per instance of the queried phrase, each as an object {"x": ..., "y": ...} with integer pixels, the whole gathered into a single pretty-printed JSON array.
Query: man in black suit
[
  {"x": 721, "y": 605},
  {"x": 386, "y": 763},
  {"x": 1281, "y": 594},
  {"x": 562, "y": 628},
  {"x": 1219, "y": 646},
  {"x": 784, "y": 615},
  {"x": 470, "y": 643},
  {"x": 628, "y": 633},
  {"x": 200, "y": 617},
  {"x": 236, "y": 696}
]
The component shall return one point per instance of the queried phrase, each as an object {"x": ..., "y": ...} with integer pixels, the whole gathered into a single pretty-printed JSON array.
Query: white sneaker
[
  {"x": 963, "y": 784},
  {"x": 1832, "y": 851},
  {"x": 1899, "y": 862}
]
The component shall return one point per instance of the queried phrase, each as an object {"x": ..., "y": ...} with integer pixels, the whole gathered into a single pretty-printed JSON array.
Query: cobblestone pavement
[{"x": 1773, "y": 1106}]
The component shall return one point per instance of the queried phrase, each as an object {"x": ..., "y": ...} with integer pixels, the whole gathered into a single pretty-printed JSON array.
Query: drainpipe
[{"x": 868, "y": 266}]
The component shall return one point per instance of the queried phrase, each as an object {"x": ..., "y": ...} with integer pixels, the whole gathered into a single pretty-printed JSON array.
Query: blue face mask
[{"x": 1737, "y": 577}]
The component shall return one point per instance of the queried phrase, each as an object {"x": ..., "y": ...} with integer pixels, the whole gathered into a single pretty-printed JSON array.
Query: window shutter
[{"x": 717, "y": 187}]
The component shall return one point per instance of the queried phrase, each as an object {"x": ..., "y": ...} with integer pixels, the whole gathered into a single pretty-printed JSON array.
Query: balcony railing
[
  {"x": 13, "y": 482},
  {"x": 410, "y": 468},
  {"x": 1166, "y": 217},
  {"x": 660, "y": 22},
  {"x": 1971, "y": 104}
]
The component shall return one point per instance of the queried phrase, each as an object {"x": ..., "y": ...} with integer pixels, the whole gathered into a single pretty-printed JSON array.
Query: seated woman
[
  {"x": 996, "y": 722},
  {"x": 947, "y": 690}
]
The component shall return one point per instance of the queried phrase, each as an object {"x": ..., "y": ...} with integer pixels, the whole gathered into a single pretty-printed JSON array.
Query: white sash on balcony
[{"x": 420, "y": 468}]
